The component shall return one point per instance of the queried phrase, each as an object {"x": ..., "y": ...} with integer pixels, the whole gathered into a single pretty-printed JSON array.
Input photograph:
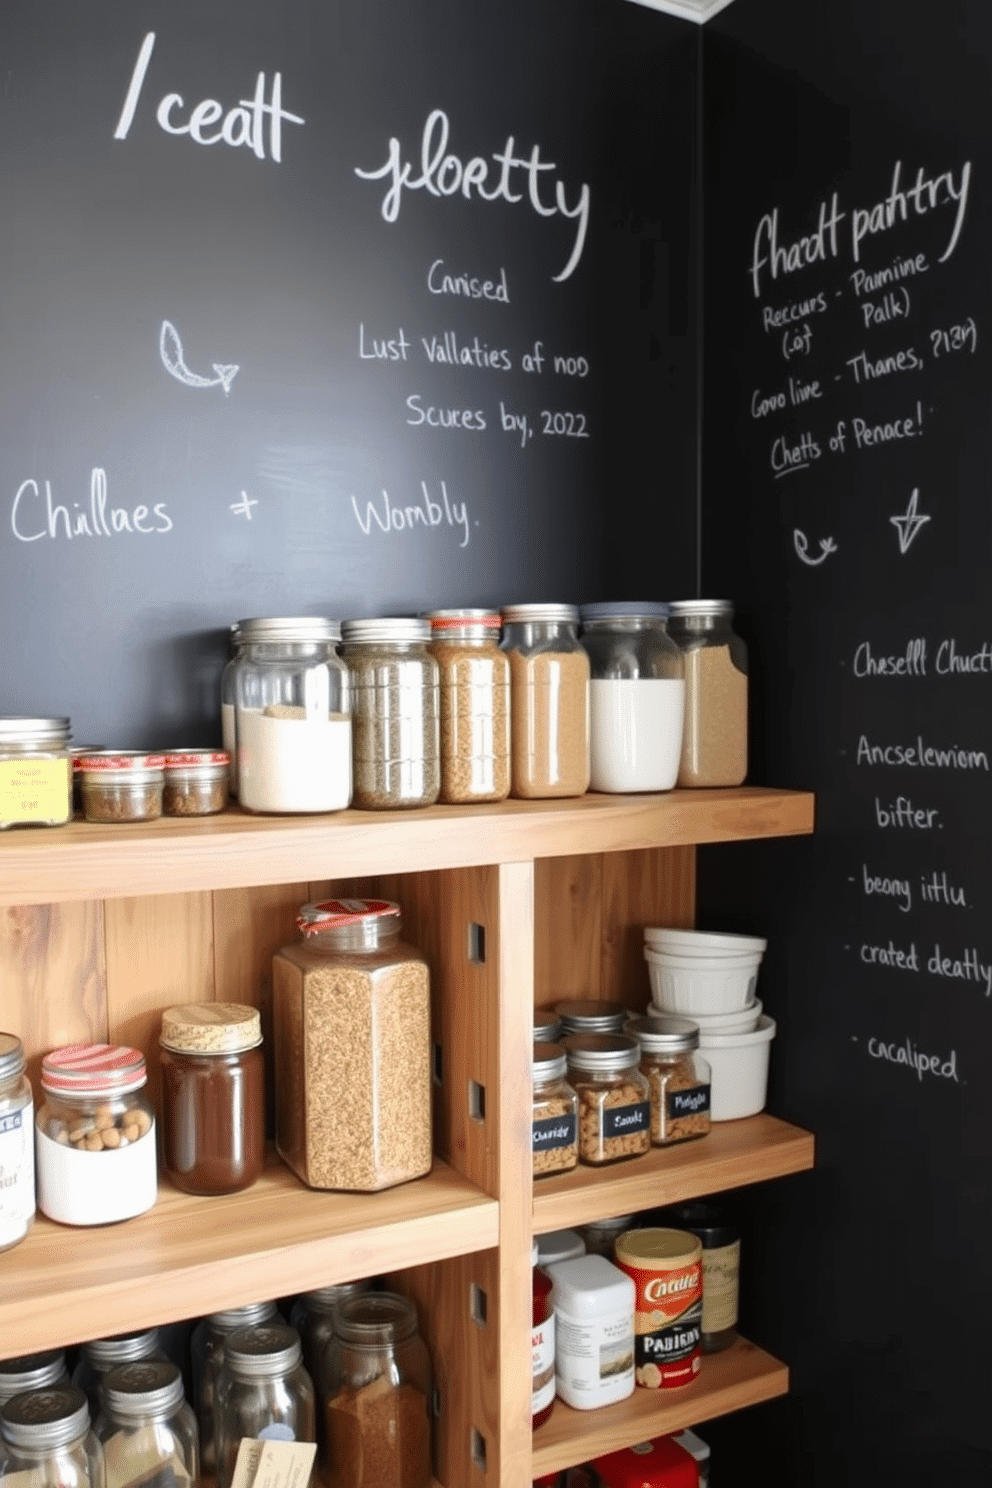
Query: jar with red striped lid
[
  {"x": 475, "y": 705},
  {"x": 120, "y": 785},
  {"x": 95, "y": 1135}
]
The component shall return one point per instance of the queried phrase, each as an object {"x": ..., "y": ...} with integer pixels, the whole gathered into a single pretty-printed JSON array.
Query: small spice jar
[
  {"x": 32, "y": 1372},
  {"x": 379, "y": 1403},
  {"x": 721, "y": 1242},
  {"x": 351, "y": 1018},
  {"x": 397, "y": 727},
  {"x": 206, "y": 1354},
  {"x": 666, "y": 1268},
  {"x": 94, "y": 1135},
  {"x": 121, "y": 786},
  {"x": 213, "y": 1097},
  {"x": 714, "y": 739},
  {"x": 474, "y": 680},
  {"x": 17, "y": 1201},
  {"x": 636, "y": 697},
  {"x": 555, "y": 1122},
  {"x": 35, "y": 772},
  {"x": 549, "y": 695},
  {"x": 586, "y": 1015},
  {"x": 614, "y": 1102},
  {"x": 678, "y": 1077},
  {"x": 263, "y": 1392},
  {"x": 99, "y": 1355},
  {"x": 196, "y": 782},
  {"x": 542, "y": 1345},
  {"x": 47, "y": 1439},
  {"x": 600, "y": 1234},
  {"x": 149, "y": 1433}
]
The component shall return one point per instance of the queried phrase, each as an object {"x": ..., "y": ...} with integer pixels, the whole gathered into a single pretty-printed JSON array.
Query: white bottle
[{"x": 594, "y": 1328}]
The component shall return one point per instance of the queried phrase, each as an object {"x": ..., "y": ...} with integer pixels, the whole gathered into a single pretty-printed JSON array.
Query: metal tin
[{"x": 666, "y": 1268}]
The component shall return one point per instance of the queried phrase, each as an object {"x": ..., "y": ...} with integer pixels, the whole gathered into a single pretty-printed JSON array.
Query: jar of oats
[
  {"x": 549, "y": 689},
  {"x": 614, "y": 1102},
  {"x": 678, "y": 1077},
  {"x": 396, "y": 723},
  {"x": 714, "y": 737},
  {"x": 351, "y": 1025},
  {"x": 474, "y": 677},
  {"x": 555, "y": 1122}
]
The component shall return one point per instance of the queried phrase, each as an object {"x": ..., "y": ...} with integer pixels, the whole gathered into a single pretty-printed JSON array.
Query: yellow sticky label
[{"x": 35, "y": 790}]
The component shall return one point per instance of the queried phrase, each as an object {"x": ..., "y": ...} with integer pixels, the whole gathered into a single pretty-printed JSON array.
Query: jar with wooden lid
[
  {"x": 206, "y": 1354},
  {"x": 148, "y": 1431},
  {"x": 17, "y": 1193},
  {"x": 213, "y": 1096},
  {"x": 555, "y": 1119},
  {"x": 35, "y": 772},
  {"x": 46, "y": 1439},
  {"x": 714, "y": 737},
  {"x": 99, "y": 1355},
  {"x": 121, "y": 786},
  {"x": 549, "y": 695},
  {"x": 32, "y": 1372},
  {"x": 636, "y": 696},
  {"x": 474, "y": 681},
  {"x": 263, "y": 1392},
  {"x": 351, "y": 1020},
  {"x": 614, "y": 1100},
  {"x": 587, "y": 1015},
  {"x": 397, "y": 723},
  {"x": 678, "y": 1077}
]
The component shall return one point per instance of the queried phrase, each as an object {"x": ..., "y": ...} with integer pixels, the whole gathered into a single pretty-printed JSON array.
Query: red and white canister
[{"x": 666, "y": 1267}]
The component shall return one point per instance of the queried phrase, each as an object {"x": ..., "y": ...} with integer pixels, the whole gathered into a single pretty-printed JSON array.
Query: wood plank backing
[{"x": 53, "y": 979}]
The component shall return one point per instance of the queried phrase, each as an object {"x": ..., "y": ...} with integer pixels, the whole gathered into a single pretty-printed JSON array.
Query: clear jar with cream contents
[{"x": 636, "y": 696}]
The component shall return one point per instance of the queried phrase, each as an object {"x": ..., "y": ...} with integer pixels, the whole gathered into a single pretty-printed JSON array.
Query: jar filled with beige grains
[
  {"x": 396, "y": 725},
  {"x": 614, "y": 1103},
  {"x": 678, "y": 1077},
  {"x": 549, "y": 694},
  {"x": 474, "y": 678},
  {"x": 351, "y": 1025},
  {"x": 555, "y": 1120},
  {"x": 714, "y": 736}
]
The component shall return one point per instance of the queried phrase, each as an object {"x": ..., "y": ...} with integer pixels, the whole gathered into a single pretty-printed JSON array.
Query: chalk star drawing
[
  {"x": 909, "y": 524},
  {"x": 171, "y": 351},
  {"x": 827, "y": 546},
  {"x": 243, "y": 507}
]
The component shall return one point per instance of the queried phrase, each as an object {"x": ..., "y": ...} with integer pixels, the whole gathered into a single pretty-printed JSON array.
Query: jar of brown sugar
[
  {"x": 614, "y": 1103},
  {"x": 714, "y": 736},
  {"x": 678, "y": 1077},
  {"x": 196, "y": 782},
  {"x": 549, "y": 691},
  {"x": 474, "y": 678},
  {"x": 121, "y": 786}
]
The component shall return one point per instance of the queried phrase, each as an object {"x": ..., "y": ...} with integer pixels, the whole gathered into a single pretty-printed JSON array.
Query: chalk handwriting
[
  {"x": 243, "y": 507},
  {"x": 865, "y": 282},
  {"x": 472, "y": 419},
  {"x": 30, "y": 522},
  {"x": 935, "y": 888},
  {"x": 801, "y": 543},
  {"x": 386, "y": 349},
  {"x": 942, "y": 1066},
  {"x": 446, "y": 350},
  {"x": 773, "y": 319},
  {"x": 899, "y": 889},
  {"x": 440, "y": 282},
  {"x": 171, "y": 351},
  {"x": 515, "y": 423},
  {"x": 864, "y": 369},
  {"x": 787, "y": 458},
  {"x": 920, "y": 755},
  {"x": 426, "y": 513},
  {"x": 908, "y": 525},
  {"x": 955, "y": 338},
  {"x": 902, "y": 813},
  {"x": 895, "y": 304},
  {"x": 868, "y": 436},
  {"x": 950, "y": 660}
]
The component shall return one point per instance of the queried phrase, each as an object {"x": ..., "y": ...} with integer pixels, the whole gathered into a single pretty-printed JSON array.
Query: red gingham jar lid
[
  {"x": 93, "y": 1069},
  {"x": 179, "y": 757},
  {"x": 113, "y": 763}
]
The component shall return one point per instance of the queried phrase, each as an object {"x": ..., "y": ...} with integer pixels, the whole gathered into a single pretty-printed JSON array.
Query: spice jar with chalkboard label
[
  {"x": 351, "y": 1022},
  {"x": 35, "y": 772},
  {"x": 206, "y": 1354},
  {"x": 263, "y": 1392},
  {"x": 636, "y": 696},
  {"x": 149, "y": 1433},
  {"x": 614, "y": 1101},
  {"x": 549, "y": 693},
  {"x": 714, "y": 737},
  {"x": 397, "y": 712},
  {"x": 555, "y": 1120},
  {"x": 474, "y": 681},
  {"x": 678, "y": 1077},
  {"x": 46, "y": 1438}
]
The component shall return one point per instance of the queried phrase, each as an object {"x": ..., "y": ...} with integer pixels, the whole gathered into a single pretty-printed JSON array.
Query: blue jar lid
[{"x": 625, "y": 608}]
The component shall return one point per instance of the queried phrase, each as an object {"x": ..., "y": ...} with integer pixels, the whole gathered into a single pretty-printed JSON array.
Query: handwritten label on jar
[
  {"x": 620, "y": 1121},
  {"x": 555, "y": 1131},
  {"x": 688, "y": 1102},
  {"x": 34, "y": 790}
]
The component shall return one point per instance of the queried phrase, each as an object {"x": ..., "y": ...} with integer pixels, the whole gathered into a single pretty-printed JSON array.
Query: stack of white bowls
[{"x": 712, "y": 978}]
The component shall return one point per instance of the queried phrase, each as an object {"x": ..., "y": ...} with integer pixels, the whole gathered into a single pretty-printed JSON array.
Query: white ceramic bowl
[
  {"x": 702, "y": 942},
  {"x": 739, "y": 1070},
  {"x": 744, "y": 1021},
  {"x": 692, "y": 963},
  {"x": 706, "y": 987}
]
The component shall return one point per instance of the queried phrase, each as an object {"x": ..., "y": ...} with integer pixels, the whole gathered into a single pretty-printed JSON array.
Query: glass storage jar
[
  {"x": 587, "y": 1015},
  {"x": 95, "y": 1135},
  {"x": 206, "y": 1355},
  {"x": 292, "y": 716},
  {"x": 636, "y": 697},
  {"x": 32, "y": 1372},
  {"x": 678, "y": 1077},
  {"x": 614, "y": 1103},
  {"x": 149, "y": 1433},
  {"x": 17, "y": 1193},
  {"x": 195, "y": 782},
  {"x": 35, "y": 772},
  {"x": 397, "y": 730},
  {"x": 379, "y": 1406},
  {"x": 313, "y": 1318},
  {"x": 99, "y": 1355},
  {"x": 474, "y": 682},
  {"x": 555, "y": 1119},
  {"x": 549, "y": 695},
  {"x": 263, "y": 1392},
  {"x": 228, "y": 707},
  {"x": 600, "y": 1234},
  {"x": 351, "y": 1021},
  {"x": 121, "y": 786},
  {"x": 213, "y": 1096},
  {"x": 45, "y": 1439},
  {"x": 714, "y": 739}
]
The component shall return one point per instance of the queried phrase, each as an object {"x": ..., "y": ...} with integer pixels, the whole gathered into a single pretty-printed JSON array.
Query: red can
[
  {"x": 653, "y": 1464},
  {"x": 666, "y": 1268}
]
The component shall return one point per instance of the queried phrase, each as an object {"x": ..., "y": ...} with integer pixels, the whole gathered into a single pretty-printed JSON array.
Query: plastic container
[
  {"x": 206, "y": 1354},
  {"x": 32, "y": 1372},
  {"x": 35, "y": 772},
  {"x": 739, "y": 1066},
  {"x": 636, "y": 697},
  {"x": 714, "y": 741},
  {"x": 678, "y": 1078},
  {"x": 474, "y": 681},
  {"x": 559, "y": 1245},
  {"x": 121, "y": 786},
  {"x": 555, "y": 1119},
  {"x": 47, "y": 1439},
  {"x": 397, "y": 704},
  {"x": 666, "y": 1267},
  {"x": 148, "y": 1431},
  {"x": 614, "y": 1098},
  {"x": 17, "y": 1193},
  {"x": 594, "y": 1321},
  {"x": 542, "y": 1343},
  {"x": 549, "y": 691},
  {"x": 99, "y": 1355},
  {"x": 701, "y": 984},
  {"x": 263, "y": 1391},
  {"x": 196, "y": 782}
]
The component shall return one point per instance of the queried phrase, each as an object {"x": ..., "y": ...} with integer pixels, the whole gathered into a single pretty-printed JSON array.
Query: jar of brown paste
[{"x": 213, "y": 1096}]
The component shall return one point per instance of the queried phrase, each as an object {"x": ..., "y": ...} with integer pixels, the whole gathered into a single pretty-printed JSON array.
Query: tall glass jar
[
  {"x": 555, "y": 1119},
  {"x": 678, "y": 1076},
  {"x": 17, "y": 1202},
  {"x": 99, "y": 1355},
  {"x": 149, "y": 1433},
  {"x": 263, "y": 1392},
  {"x": 549, "y": 692},
  {"x": 397, "y": 725},
  {"x": 614, "y": 1099},
  {"x": 206, "y": 1353},
  {"x": 45, "y": 1438},
  {"x": 714, "y": 742},
  {"x": 351, "y": 1019},
  {"x": 32, "y": 1372},
  {"x": 474, "y": 678},
  {"x": 313, "y": 1318},
  {"x": 636, "y": 697},
  {"x": 35, "y": 772},
  {"x": 379, "y": 1406},
  {"x": 292, "y": 717},
  {"x": 228, "y": 706}
]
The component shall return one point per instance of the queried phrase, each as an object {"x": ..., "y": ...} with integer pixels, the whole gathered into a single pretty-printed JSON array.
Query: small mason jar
[
  {"x": 549, "y": 693},
  {"x": 636, "y": 697},
  {"x": 587, "y": 1015},
  {"x": 206, "y": 1355},
  {"x": 17, "y": 1201},
  {"x": 196, "y": 782},
  {"x": 263, "y": 1392},
  {"x": 146, "y": 1426},
  {"x": 474, "y": 680},
  {"x": 379, "y": 1402},
  {"x": 99, "y": 1355},
  {"x": 35, "y": 772},
  {"x": 555, "y": 1120},
  {"x": 714, "y": 741},
  {"x": 46, "y": 1439},
  {"x": 32, "y": 1372},
  {"x": 678, "y": 1077},
  {"x": 121, "y": 786},
  {"x": 292, "y": 716},
  {"x": 614, "y": 1100},
  {"x": 397, "y": 728}
]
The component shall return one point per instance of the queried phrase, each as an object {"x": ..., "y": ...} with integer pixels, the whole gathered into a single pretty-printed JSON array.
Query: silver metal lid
[
  {"x": 12, "y": 1063},
  {"x": 375, "y": 1319},
  {"x": 232, "y": 1318},
  {"x": 326, "y": 1299},
  {"x": 45, "y": 1418},
  {"x": 257, "y": 1353},
  {"x": 103, "y": 1353},
  {"x": 278, "y": 628},
  {"x": 561, "y": 614},
  {"x": 547, "y": 1026},
  {"x": 398, "y": 630},
  {"x": 549, "y": 1061},
  {"x": 31, "y": 1372},
  {"x": 702, "y": 607},
  {"x": 152, "y": 1387},
  {"x": 601, "y": 1052},
  {"x": 581, "y": 1015},
  {"x": 624, "y": 609},
  {"x": 662, "y": 1034},
  {"x": 38, "y": 731}
]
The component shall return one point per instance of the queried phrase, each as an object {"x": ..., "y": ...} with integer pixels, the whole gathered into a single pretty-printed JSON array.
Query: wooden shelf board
[
  {"x": 190, "y": 1256},
  {"x": 86, "y": 860},
  {"x": 734, "y": 1153},
  {"x": 739, "y": 1376}
]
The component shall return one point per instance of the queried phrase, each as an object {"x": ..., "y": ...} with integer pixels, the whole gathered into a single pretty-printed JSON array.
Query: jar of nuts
[
  {"x": 614, "y": 1105},
  {"x": 555, "y": 1123},
  {"x": 678, "y": 1076},
  {"x": 95, "y": 1135},
  {"x": 474, "y": 678}
]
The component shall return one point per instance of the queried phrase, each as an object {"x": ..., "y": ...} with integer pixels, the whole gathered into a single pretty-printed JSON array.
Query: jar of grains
[
  {"x": 148, "y": 1431},
  {"x": 98, "y": 1356},
  {"x": 474, "y": 678},
  {"x": 121, "y": 786},
  {"x": 35, "y": 772},
  {"x": 555, "y": 1122},
  {"x": 397, "y": 742},
  {"x": 196, "y": 782},
  {"x": 47, "y": 1439},
  {"x": 678, "y": 1077},
  {"x": 206, "y": 1355},
  {"x": 587, "y": 1015},
  {"x": 228, "y": 702},
  {"x": 351, "y": 1019},
  {"x": 614, "y": 1104},
  {"x": 95, "y": 1135},
  {"x": 292, "y": 717},
  {"x": 17, "y": 1202},
  {"x": 636, "y": 697},
  {"x": 263, "y": 1392},
  {"x": 549, "y": 691},
  {"x": 714, "y": 740}
]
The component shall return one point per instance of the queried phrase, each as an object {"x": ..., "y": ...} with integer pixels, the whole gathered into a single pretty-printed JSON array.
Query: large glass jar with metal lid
[
  {"x": 35, "y": 772},
  {"x": 714, "y": 740},
  {"x": 549, "y": 691},
  {"x": 614, "y": 1100},
  {"x": 555, "y": 1119},
  {"x": 588, "y": 1015},
  {"x": 263, "y": 1392},
  {"x": 474, "y": 680},
  {"x": 379, "y": 1404},
  {"x": 228, "y": 707},
  {"x": 99, "y": 1355},
  {"x": 636, "y": 696},
  {"x": 45, "y": 1438},
  {"x": 678, "y": 1077},
  {"x": 292, "y": 716},
  {"x": 32, "y": 1372},
  {"x": 351, "y": 1022},
  {"x": 397, "y": 712},
  {"x": 148, "y": 1431},
  {"x": 206, "y": 1354},
  {"x": 17, "y": 1200},
  {"x": 313, "y": 1318}
]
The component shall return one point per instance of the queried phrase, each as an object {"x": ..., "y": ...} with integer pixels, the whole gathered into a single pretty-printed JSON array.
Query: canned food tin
[{"x": 666, "y": 1269}]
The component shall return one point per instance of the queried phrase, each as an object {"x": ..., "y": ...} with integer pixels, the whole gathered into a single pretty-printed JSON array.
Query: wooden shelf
[
  {"x": 734, "y": 1154},
  {"x": 741, "y": 1375}
]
